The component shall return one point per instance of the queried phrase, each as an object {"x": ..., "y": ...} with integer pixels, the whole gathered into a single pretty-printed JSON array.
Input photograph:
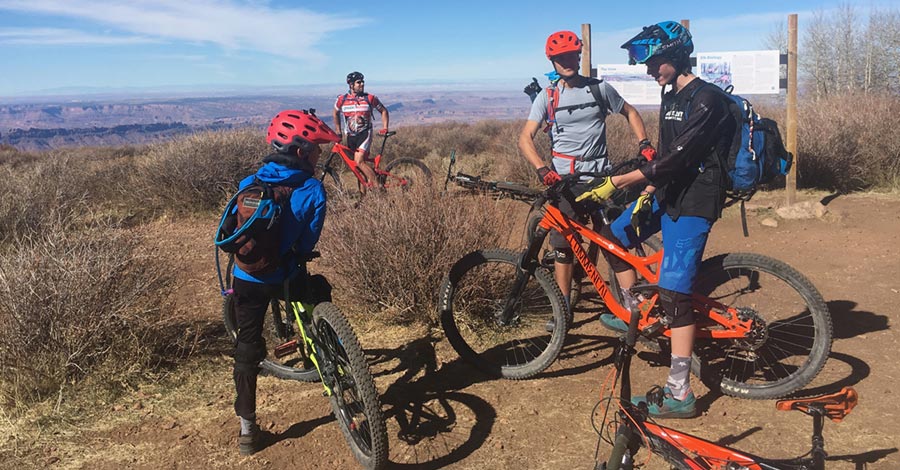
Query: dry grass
[{"x": 75, "y": 304}]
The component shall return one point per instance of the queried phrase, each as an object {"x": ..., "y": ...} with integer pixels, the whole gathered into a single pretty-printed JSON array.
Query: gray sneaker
[{"x": 248, "y": 444}]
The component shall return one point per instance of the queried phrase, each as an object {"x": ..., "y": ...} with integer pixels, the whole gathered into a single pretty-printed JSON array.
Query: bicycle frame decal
[{"x": 556, "y": 220}]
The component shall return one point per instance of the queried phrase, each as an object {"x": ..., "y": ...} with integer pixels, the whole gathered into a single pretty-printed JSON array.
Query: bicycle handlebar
[
  {"x": 537, "y": 197},
  {"x": 513, "y": 190}
]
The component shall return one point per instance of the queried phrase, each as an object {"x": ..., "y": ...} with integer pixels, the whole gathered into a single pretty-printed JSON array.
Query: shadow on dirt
[
  {"x": 436, "y": 425},
  {"x": 296, "y": 431},
  {"x": 859, "y": 370},
  {"x": 733, "y": 439},
  {"x": 861, "y": 461},
  {"x": 850, "y": 323}
]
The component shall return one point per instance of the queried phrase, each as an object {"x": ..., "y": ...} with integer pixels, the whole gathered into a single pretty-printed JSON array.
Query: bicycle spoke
[
  {"x": 787, "y": 329},
  {"x": 495, "y": 333}
]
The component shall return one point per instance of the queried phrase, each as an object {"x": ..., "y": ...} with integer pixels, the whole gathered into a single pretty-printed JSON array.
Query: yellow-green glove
[
  {"x": 641, "y": 213},
  {"x": 600, "y": 193}
]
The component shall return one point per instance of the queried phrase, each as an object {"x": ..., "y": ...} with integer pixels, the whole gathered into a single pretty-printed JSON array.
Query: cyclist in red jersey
[{"x": 357, "y": 108}]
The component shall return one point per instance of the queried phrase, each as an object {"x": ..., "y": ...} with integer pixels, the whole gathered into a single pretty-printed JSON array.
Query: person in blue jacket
[{"x": 295, "y": 136}]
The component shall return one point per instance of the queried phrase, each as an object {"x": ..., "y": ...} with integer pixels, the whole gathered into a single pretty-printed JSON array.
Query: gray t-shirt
[{"x": 580, "y": 132}]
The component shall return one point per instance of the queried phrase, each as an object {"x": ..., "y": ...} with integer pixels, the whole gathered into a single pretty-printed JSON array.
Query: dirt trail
[{"x": 444, "y": 414}]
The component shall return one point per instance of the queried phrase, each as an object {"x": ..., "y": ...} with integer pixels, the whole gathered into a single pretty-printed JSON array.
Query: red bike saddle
[{"x": 836, "y": 405}]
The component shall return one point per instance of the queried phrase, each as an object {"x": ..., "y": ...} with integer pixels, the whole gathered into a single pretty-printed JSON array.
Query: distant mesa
[
  {"x": 428, "y": 101},
  {"x": 394, "y": 107}
]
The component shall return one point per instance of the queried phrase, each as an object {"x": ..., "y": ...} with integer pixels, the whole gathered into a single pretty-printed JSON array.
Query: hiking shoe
[
  {"x": 613, "y": 323},
  {"x": 670, "y": 408},
  {"x": 248, "y": 444}
]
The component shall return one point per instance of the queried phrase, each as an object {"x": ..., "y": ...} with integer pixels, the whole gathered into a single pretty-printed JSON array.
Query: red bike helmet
[
  {"x": 298, "y": 128},
  {"x": 562, "y": 42}
]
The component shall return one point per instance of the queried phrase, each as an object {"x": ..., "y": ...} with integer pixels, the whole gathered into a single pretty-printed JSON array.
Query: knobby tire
[
  {"x": 476, "y": 289},
  {"x": 355, "y": 401},
  {"x": 792, "y": 347},
  {"x": 413, "y": 170}
]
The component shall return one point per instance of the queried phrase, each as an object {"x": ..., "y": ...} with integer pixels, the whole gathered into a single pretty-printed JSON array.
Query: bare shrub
[
  {"x": 74, "y": 304},
  {"x": 390, "y": 254},
  {"x": 200, "y": 170},
  {"x": 846, "y": 151},
  {"x": 38, "y": 197}
]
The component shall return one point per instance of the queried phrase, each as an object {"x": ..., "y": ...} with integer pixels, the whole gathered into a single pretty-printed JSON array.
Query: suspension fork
[{"x": 305, "y": 310}]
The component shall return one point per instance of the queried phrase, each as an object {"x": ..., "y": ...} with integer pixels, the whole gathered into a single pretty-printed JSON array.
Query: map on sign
[{"x": 750, "y": 72}]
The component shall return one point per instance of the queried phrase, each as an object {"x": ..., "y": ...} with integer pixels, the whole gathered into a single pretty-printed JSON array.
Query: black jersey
[{"x": 693, "y": 133}]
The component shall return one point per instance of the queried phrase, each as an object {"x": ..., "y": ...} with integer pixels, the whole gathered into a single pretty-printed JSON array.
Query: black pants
[{"x": 251, "y": 301}]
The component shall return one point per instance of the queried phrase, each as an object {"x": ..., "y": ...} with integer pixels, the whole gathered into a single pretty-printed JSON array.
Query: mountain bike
[
  {"x": 399, "y": 173},
  {"x": 318, "y": 344},
  {"x": 629, "y": 428},
  {"x": 510, "y": 190},
  {"x": 763, "y": 330}
]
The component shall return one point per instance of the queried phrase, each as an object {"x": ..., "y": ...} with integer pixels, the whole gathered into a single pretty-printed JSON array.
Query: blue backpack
[{"x": 757, "y": 154}]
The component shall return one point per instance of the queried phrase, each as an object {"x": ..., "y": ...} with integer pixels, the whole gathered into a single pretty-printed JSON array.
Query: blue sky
[{"x": 48, "y": 45}]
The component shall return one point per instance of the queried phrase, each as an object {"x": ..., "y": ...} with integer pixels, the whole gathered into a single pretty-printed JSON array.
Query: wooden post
[
  {"x": 791, "y": 125},
  {"x": 586, "y": 49}
]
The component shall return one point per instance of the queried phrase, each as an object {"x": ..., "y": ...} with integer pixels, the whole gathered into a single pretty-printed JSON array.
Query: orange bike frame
[
  {"x": 388, "y": 179},
  {"x": 648, "y": 267},
  {"x": 345, "y": 151},
  {"x": 714, "y": 456}
]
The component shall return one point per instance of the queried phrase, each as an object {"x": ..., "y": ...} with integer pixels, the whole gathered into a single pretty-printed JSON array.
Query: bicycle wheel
[
  {"x": 791, "y": 334},
  {"x": 411, "y": 172},
  {"x": 472, "y": 299},
  {"x": 291, "y": 366},
  {"x": 355, "y": 400}
]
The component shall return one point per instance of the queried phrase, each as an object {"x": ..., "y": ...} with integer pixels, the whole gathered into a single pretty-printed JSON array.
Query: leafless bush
[
  {"x": 38, "y": 197},
  {"x": 197, "y": 172},
  {"x": 849, "y": 150},
  {"x": 75, "y": 304},
  {"x": 390, "y": 254}
]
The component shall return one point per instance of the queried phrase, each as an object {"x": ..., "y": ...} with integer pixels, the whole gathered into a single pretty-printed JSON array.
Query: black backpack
[{"x": 250, "y": 226}]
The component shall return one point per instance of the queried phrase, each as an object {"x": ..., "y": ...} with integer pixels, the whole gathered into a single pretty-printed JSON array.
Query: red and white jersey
[{"x": 357, "y": 111}]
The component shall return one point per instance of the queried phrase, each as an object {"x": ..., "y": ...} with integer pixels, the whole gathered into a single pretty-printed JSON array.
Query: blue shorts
[{"x": 683, "y": 243}]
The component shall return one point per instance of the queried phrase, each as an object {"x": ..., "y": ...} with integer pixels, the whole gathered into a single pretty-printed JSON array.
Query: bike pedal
[{"x": 286, "y": 349}]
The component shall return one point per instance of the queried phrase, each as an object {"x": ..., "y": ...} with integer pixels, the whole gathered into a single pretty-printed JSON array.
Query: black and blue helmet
[{"x": 667, "y": 39}]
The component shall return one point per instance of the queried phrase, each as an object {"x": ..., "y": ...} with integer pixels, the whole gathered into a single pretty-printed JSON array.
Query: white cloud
[
  {"x": 232, "y": 24},
  {"x": 58, "y": 36}
]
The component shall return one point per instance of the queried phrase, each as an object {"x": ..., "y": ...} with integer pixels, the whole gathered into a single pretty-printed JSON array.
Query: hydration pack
[
  {"x": 250, "y": 226},
  {"x": 757, "y": 154},
  {"x": 553, "y": 99}
]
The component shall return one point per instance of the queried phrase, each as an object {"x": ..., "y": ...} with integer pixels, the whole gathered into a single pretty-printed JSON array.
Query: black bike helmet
[
  {"x": 668, "y": 39},
  {"x": 354, "y": 76}
]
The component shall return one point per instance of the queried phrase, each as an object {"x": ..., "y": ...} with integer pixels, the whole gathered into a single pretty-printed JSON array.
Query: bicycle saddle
[{"x": 835, "y": 406}]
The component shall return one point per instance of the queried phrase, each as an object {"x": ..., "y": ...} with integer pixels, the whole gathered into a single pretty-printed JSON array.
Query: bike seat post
[{"x": 818, "y": 441}]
